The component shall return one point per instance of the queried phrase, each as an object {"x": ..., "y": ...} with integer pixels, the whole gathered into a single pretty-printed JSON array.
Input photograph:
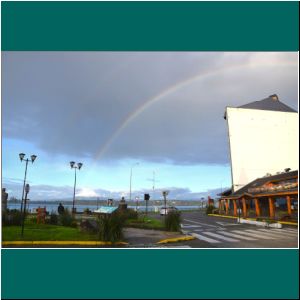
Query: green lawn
[
  {"x": 45, "y": 232},
  {"x": 145, "y": 223}
]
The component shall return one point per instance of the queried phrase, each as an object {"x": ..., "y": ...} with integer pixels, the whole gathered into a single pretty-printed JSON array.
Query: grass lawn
[
  {"x": 45, "y": 232},
  {"x": 145, "y": 223}
]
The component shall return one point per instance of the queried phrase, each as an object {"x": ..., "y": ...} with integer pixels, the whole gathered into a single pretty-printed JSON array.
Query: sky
[{"x": 157, "y": 115}]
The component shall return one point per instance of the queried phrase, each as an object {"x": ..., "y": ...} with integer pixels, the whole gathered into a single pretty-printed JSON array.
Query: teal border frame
[
  {"x": 150, "y": 26},
  {"x": 150, "y": 273}
]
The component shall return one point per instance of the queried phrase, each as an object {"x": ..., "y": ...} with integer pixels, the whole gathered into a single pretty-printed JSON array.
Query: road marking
[
  {"x": 278, "y": 234},
  {"x": 260, "y": 236},
  {"x": 286, "y": 232},
  {"x": 189, "y": 226},
  {"x": 204, "y": 238},
  {"x": 282, "y": 230},
  {"x": 258, "y": 232},
  {"x": 184, "y": 246},
  {"x": 227, "y": 224},
  {"x": 293, "y": 231},
  {"x": 221, "y": 237},
  {"x": 200, "y": 223},
  {"x": 289, "y": 229},
  {"x": 238, "y": 236}
]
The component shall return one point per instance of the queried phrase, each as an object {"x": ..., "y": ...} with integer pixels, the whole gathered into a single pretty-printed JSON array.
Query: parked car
[{"x": 165, "y": 210}]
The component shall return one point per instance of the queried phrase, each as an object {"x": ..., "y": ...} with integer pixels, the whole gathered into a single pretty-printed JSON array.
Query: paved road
[{"x": 217, "y": 232}]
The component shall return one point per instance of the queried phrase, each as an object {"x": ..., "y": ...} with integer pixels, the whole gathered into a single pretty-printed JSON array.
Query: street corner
[
  {"x": 144, "y": 237},
  {"x": 177, "y": 239}
]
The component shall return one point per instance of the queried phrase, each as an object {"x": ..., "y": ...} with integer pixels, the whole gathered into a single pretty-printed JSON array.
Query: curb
[
  {"x": 288, "y": 223},
  {"x": 175, "y": 240},
  {"x": 222, "y": 216},
  {"x": 253, "y": 219},
  {"x": 84, "y": 243}
]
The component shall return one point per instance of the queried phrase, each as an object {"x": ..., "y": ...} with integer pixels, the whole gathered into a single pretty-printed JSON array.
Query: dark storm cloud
[{"x": 72, "y": 103}]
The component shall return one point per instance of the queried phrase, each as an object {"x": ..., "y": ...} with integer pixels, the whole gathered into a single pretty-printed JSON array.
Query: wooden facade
[{"x": 262, "y": 192}]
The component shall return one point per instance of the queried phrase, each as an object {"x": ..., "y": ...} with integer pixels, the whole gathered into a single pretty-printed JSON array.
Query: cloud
[
  {"x": 87, "y": 192},
  {"x": 73, "y": 103},
  {"x": 50, "y": 192}
]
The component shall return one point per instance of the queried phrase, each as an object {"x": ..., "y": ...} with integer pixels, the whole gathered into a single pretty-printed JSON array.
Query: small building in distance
[{"x": 210, "y": 201}]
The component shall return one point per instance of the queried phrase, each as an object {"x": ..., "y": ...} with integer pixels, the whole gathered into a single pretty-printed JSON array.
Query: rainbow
[{"x": 170, "y": 90}]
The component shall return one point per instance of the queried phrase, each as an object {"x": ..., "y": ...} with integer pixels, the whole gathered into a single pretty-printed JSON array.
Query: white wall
[{"x": 261, "y": 142}]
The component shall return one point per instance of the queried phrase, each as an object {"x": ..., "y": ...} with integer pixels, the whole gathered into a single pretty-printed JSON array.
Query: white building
[{"x": 263, "y": 139}]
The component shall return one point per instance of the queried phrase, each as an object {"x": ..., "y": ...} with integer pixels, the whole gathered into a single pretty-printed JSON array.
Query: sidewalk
[
  {"x": 148, "y": 237},
  {"x": 133, "y": 237}
]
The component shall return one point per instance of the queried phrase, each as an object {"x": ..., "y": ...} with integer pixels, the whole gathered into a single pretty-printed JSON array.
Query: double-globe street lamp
[
  {"x": 74, "y": 166},
  {"x": 22, "y": 158}
]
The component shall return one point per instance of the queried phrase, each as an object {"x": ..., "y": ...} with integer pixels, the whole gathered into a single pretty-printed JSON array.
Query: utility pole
[
  {"x": 153, "y": 186},
  {"x": 130, "y": 179}
]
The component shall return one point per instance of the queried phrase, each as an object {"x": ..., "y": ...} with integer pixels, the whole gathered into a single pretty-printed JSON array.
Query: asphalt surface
[{"x": 218, "y": 232}]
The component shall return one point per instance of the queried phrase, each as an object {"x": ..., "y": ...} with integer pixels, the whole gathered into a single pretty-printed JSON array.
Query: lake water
[{"x": 80, "y": 208}]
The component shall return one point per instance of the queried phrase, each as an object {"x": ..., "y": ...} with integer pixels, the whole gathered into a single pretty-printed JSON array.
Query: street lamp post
[
  {"x": 130, "y": 181},
  {"x": 165, "y": 194},
  {"x": 22, "y": 156},
  {"x": 137, "y": 203},
  {"x": 73, "y": 166},
  {"x": 27, "y": 188}
]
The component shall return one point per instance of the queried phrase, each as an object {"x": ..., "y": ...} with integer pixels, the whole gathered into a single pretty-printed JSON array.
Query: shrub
[
  {"x": 67, "y": 219},
  {"x": 87, "y": 211},
  {"x": 128, "y": 214},
  {"x": 172, "y": 221},
  {"x": 53, "y": 220},
  {"x": 111, "y": 227},
  {"x": 89, "y": 226},
  {"x": 209, "y": 209},
  {"x": 12, "y": 218},
  {"x": 31, "y": 219}
]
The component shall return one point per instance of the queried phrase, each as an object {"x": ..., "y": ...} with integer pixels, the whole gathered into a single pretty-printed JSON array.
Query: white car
[{"x": 165, "y": 210}]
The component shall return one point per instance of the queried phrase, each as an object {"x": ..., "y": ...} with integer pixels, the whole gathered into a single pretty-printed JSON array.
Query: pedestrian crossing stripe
[
  {"x": 204, "y": 238},
  {"x": 250, "y": 235},
  {"x": 238, "y": 236},
  {"x": 289, "y": 232},
  {"x": 198, "y": 223},
  {"x": 255, "y": 233},
  {"x": 277, "y": 234},
  {"x": 221, "y": 237},
  {"x": 183, "y": 246}
]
